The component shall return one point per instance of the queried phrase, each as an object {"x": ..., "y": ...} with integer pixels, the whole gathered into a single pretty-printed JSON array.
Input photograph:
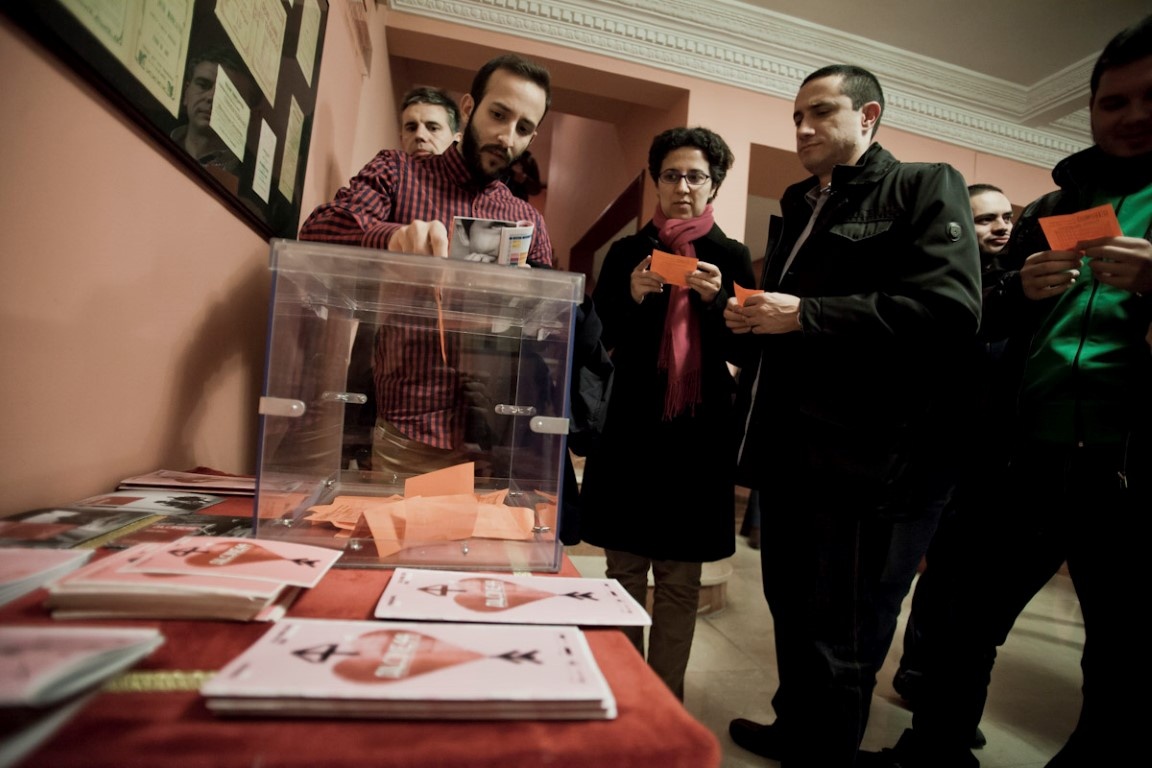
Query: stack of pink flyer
[
  {"x": 48, "y": 673},
  {"x": 195, "y": 577},
  {"x": 23, "y": 569},
  {"x": 44, "y": 664},
  {"x": 504, "y": 598},
  {"x": 406, "y": 670}
]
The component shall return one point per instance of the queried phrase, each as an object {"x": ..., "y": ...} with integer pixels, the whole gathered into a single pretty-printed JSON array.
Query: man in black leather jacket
[{"x": 872, "y": 289}]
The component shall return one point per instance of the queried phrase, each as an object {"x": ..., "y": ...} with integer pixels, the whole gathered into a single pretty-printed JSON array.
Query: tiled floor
[{"x": 1032, "y": 704}]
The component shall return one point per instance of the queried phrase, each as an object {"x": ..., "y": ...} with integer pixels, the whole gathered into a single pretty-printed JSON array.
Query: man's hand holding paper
[
  {"x": 1092, "y": 238},
  {"x": 764, "y": 312},
  {"x": 1122, "y": 262}
]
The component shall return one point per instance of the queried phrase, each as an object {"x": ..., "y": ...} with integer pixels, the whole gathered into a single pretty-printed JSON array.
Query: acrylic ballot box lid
[{"x": 381, "y": 366}]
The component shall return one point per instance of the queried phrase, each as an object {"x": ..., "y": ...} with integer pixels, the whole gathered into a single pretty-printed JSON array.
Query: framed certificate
[{"x": 226, "y": 87}]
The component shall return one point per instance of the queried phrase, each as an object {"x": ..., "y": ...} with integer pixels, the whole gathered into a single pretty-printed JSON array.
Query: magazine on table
[
  {"x": 24, "y": 569},
  {"x": 199, "y": 482},
  {"x": 42, "y": 664},
  {"x": 171, "y": 528},
  {"x": 196, "y": 577},
  {"x": 157, "y": 502},
  {"x": 425, "y": 594},
  {"x": 49, "y": 673},
  {"x": 280, "y": 562},
  {"x": 63, "y": 527},
  {"x": 407, "y": 670}
]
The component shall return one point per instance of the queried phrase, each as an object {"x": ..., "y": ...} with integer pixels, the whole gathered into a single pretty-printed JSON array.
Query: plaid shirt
[
  {"x": 416, "y": 391},
  {"x": 395, "y": 189}
]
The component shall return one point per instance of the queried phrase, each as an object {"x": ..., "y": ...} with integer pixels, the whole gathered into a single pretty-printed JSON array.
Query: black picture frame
[{"x": 145, "y": 56}]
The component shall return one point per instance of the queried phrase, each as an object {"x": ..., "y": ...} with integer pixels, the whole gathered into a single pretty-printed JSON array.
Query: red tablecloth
[{"x": 175, "y": 729}]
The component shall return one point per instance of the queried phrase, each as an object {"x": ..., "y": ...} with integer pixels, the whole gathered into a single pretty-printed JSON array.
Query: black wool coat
[{"x": 656, "y": 488}]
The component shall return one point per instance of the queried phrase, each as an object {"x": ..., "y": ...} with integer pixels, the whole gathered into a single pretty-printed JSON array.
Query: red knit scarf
[{"x": 680, "y": 346}]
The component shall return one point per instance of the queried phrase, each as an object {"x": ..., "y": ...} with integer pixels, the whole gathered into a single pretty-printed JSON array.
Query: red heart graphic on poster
[
  {"x": 392, "y": 655},
  {"x": 228, "y": 553},
  {"x": 496, "y": 594}
]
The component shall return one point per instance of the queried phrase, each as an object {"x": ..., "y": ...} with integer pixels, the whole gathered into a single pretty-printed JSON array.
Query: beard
[{"x": 471, "y": 150}]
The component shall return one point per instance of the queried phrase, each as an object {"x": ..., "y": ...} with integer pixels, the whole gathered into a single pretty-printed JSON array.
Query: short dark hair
[
  {"x": 517, "y": 65},
  {"x": 715, "y": 150},
  {"x": 216, "y": 55},
  {"x": 979, "y": 189},
  {"x": 222, "y": 57},
  {"x": 1131, "y": 44},
  {"x": 437, "y": 97},
  {"x": 857, "y": 83}
]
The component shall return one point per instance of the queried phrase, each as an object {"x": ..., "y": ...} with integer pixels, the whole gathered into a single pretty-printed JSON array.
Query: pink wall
[
  {"x": 133, "y": 326},
  {"x": 1022, "y": 183},
  {"x": 133, "y": 320}
]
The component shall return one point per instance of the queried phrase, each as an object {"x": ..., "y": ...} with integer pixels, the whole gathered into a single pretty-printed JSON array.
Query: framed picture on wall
[{"x": 226, "y": 87}]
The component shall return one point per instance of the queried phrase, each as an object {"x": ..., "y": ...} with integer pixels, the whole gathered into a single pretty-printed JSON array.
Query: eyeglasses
[{"x": 694, "y": 178}]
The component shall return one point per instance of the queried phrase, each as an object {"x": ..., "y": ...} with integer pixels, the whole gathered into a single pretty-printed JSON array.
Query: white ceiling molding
[{"x": 770, "y": 53}]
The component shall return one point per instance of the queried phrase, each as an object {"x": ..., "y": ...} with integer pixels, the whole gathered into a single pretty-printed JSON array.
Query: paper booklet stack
[
  {"x": 410, "y": 670},
  {"x": 63, "y": 527},
  {"x": 156, "y": 502},
  {"x": 44, "y": 664},
  {"x": 23, "y": 569},
  {"x": 48, "y": 673},
  {"x": 194, "y": 577},
  {"x": 201, "y": 482}
]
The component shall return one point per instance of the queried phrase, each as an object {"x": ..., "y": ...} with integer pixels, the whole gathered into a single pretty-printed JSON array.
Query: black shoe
[
  {"x": 885, "y": 758},
  {"x": 911, "y": 752},
  {"x": 907, "y": 683},
  {"x": 763, "y": 740},
  {"x": 979, "y": 739}
]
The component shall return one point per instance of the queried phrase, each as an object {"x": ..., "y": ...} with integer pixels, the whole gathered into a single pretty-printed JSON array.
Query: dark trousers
[
  {"x": 1089, "y": 507},
  {"x": 835, "y": 573},
  {"x": 944, "y": 561}
]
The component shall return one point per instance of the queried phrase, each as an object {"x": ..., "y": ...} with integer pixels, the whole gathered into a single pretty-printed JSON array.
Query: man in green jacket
[{"x": 1076, "y": 472}]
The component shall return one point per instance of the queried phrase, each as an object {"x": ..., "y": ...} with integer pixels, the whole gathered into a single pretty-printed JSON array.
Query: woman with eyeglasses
[{"x": 658, "y": 493}]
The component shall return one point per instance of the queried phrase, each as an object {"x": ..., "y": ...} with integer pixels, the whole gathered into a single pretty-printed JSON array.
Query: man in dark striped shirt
[{"x": 406, "y": 204}]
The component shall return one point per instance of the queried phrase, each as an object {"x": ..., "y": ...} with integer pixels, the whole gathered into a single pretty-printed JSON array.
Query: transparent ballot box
[{"x": 414, "y": 410}]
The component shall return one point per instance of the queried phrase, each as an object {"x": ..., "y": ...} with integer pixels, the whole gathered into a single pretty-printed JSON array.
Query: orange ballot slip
[
  {"x": 1064, "y": 232},
  {"x": 672, "y": 267},
  {"x": 437, "y": 506},
  {"x": 743, "y": 293},
  {"x": 449, "y": 481}
]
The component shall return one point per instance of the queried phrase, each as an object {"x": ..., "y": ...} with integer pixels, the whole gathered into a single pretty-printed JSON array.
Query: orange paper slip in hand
[
  {"x": 743, "y": 293},
  {"x": 672, "y": 267},
  {"x": 1064, "y": 232}
]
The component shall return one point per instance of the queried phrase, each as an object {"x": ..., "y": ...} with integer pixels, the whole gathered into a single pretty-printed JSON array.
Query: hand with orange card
[
  {"x": 1121, "y": 262},
  {"x": 644, "y": 281},
  {"x": 1091, "y": 238}
]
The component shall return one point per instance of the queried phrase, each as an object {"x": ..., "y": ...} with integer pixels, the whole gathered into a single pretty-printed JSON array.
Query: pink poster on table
[{"x": 301, "y": 565}]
